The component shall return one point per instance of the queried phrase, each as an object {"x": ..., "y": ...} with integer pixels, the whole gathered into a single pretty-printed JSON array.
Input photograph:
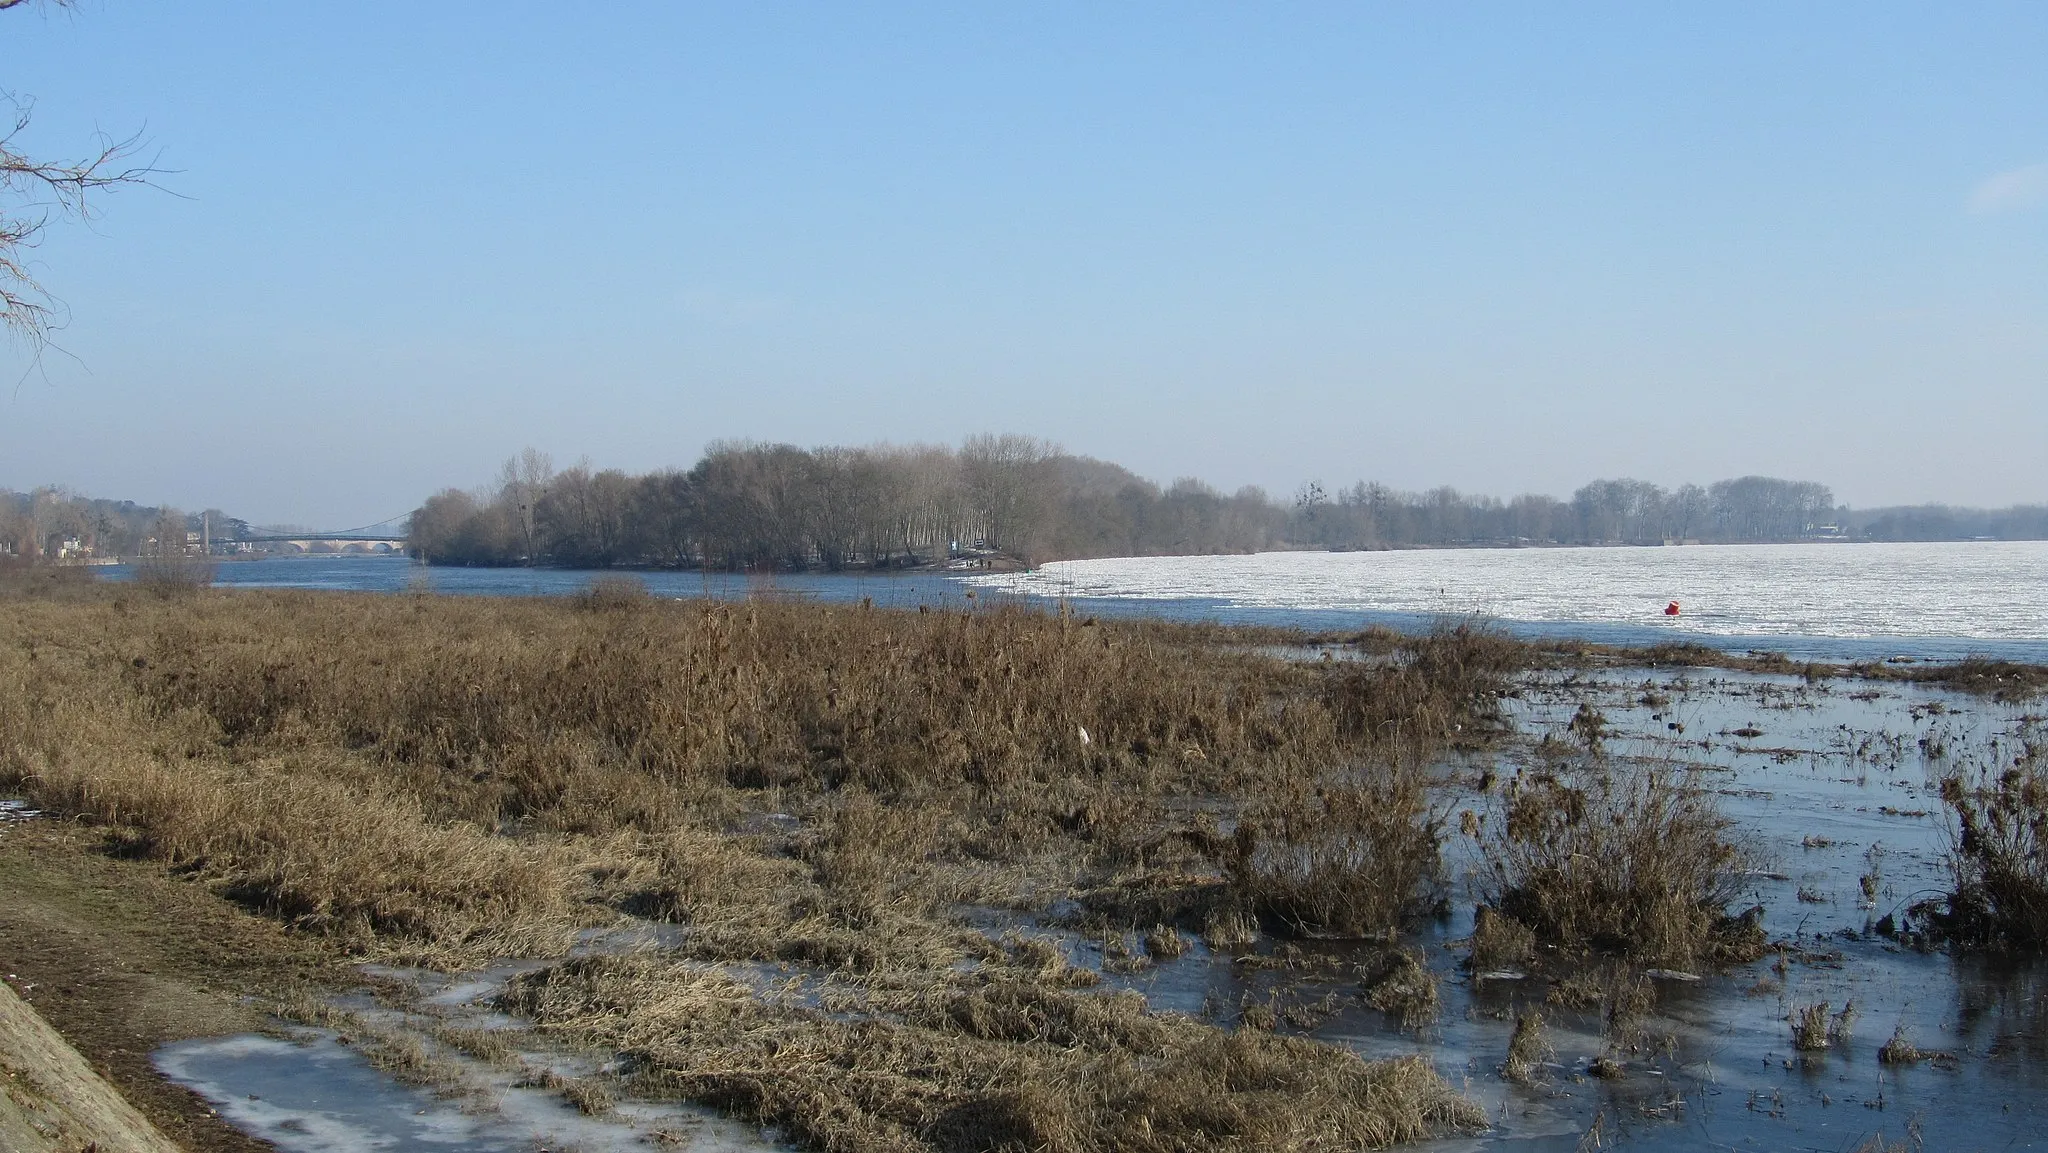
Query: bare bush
[{"x": 172, "y": 574}]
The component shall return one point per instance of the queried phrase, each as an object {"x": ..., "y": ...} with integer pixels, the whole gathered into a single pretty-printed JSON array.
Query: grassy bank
[{"x": 452, "y": 779}]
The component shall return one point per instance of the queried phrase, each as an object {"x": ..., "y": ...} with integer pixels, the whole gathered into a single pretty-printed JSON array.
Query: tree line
[
  {"x": 1934, "y": 522},
  {"x": 748, "y": 506},
  {"x": 52, "y": 523}
]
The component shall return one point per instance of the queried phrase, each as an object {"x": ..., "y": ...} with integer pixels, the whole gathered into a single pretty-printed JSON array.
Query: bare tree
[
  {"x": 521, "y": 484},
  {"x": 1009, "y": 478},
  {"x": 32, "y": 190}
]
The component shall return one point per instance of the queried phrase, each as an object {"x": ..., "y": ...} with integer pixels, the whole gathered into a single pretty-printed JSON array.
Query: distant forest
[{"x": 776, "y": 506}]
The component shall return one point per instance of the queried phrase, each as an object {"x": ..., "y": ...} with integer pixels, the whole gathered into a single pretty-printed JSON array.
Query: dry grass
[
  {"x": 1528, "y": 1048},
  {"x": 1814, "y": 1028},
  {"x": 21, "y": 580},
  {"x": 1348, "y": 858},
  {"x": 172, "y": 574},
  {"x": 1998, "y": 860},
  {"x": 1633, "y": 861},
  {"x": 1499, "y": 942},
  {"x": 950, "y": 1064},
  {"x": 449, "y": 780},
  {"x": 1403, "y": 987}
]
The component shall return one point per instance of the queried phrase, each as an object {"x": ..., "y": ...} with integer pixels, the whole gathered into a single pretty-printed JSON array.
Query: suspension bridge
[{"x": 381, "y": 536}]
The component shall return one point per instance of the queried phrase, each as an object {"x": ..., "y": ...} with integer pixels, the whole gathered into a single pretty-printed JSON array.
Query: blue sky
[{"x": 1494, "y": 246}]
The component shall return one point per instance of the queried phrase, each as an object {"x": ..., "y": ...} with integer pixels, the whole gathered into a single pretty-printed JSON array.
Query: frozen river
[{"x": 1813, "y": 601}]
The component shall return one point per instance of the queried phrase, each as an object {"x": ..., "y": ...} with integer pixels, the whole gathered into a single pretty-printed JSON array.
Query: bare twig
[{"x": 32, "y": 190}]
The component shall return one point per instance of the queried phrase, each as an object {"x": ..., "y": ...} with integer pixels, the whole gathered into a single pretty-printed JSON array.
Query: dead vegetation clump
[
  {"x": 1499, "y": 942},
  {"x": 1623, "y": 860},
  {"x": 1402, "y": 986},
  {"x": 1355, "y": 858},
  {"x": 1435, "y": 686},
  {"x": 1165, "y": 943},
  {"x": 1814, "y": 1028},
  {"x": 948, "y": 1065},
  {"x": 1998, "y": 859},
  {"x": 1623, "y": 997},
  {"x": 1913, "y": 1142},
  {"x": 1900, "y": 1050},
  {"x": 1528, "y": 1048}
]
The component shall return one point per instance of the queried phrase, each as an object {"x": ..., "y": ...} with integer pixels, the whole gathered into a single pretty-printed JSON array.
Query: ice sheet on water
[
  {"x": 1988, "y": 590},
  {"x": 312, "y": 1094}
]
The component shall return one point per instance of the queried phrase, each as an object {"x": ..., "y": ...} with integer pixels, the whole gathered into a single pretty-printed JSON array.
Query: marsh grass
[
  {"x": 1629, "y": 860},
  {"x": 1499, "y": 942},
  {"x": 436, "y": 768},
  {"x": 995, "y": 1064},
  {"x": 1815, "y": 1028},
  {"x": 445, "y": 781},
  {"x": 1528, "y": 1048},
  {"x": 1978, "y": 675},
  {"x": 1353, "y": 858},
  {"x": 613, "y": 592},
  {"x": 1402, "y": 985}
]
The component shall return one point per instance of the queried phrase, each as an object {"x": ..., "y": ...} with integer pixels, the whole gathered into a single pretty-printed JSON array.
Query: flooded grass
[
  {"x": 1625, "y": 859},
  {"x": 1999, "y": 857},
  {"x": 448, "y": 782},
  {"x": 995, "y": 879}
]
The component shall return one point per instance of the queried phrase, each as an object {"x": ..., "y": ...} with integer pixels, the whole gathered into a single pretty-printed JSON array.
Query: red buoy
[{"x": 1671, "y": 610}]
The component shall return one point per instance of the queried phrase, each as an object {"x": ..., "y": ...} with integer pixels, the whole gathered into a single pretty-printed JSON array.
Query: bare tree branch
[{"x": 32, "y": 190}]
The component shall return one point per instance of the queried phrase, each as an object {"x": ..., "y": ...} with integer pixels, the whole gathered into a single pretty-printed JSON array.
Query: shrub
[{"x": 173, "y": 574}]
